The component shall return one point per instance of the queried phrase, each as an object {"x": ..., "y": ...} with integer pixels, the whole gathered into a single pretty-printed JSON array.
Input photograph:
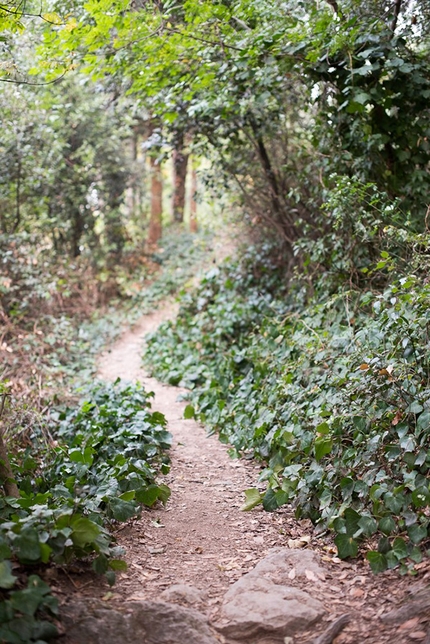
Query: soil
[{"x": 203, "y": 539}]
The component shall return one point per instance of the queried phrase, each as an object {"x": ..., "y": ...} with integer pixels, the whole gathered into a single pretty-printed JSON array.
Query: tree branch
[{"x": 397, "y": 8}]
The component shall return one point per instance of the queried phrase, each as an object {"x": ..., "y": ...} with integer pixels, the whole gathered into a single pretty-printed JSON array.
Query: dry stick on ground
[
  {"x": 333, "y": 630},
  {"x": 6, "y": 474}
]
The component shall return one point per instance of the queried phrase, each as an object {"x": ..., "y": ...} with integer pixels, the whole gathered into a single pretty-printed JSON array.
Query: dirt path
[{"x": 202, "y": 538}]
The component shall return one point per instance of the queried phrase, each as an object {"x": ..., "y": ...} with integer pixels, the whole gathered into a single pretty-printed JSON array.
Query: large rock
[
  {"x": 183, "y": 594},
  {"x": 146, "y": 622},
  {"x": 263, "y": 604}
]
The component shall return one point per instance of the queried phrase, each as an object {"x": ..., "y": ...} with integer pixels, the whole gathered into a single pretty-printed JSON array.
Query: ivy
[
  {"x": 331, "y": 394},
  {"x": 100, "y": 466}
]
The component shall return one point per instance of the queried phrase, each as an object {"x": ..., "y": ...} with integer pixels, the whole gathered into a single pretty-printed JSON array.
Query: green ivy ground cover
[
  {"x": 331, "y": 394},
  {"x": 96, "y": 464}
]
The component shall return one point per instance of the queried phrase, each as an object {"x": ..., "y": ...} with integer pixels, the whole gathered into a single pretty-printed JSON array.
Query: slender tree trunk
[
  {"x": 193, "y": 203},
  {"x": 155, "y": 221},
  {"x": 180, "y": 164},
  {"x": 6, "y": 475},
  {"x": 77, "y": 231},
  {"x": 18, "y": 194}
]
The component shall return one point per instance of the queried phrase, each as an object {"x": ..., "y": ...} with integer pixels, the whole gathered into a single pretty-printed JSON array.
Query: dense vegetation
[
  {"x": 329, "y": 389},
  {"x": 310, "y": 352},
  {"x": 81, "y": 460}
]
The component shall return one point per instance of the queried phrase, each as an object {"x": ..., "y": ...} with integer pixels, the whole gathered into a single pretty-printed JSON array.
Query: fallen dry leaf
[
  {"x": 309, "y": 574},
  {"x": 409, "y": 624},
  {"x": 356, "y": 592},
  {"x": 417, "y": 635}
]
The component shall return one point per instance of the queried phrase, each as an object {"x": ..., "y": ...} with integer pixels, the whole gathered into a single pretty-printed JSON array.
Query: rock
[
  {"x": 262, "y": 604},
  {"x": 184, "y": 594},
  {"x": 146, "y": 622},
  {"x": 279, "y": 563}
]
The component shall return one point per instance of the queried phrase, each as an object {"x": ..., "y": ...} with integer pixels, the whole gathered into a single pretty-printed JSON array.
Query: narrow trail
[{"x": 202, "y": 540}]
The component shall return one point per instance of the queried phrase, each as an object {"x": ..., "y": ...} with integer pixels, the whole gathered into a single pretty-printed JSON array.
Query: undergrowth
[
  {"x": 83, "y": 471},
  {"x": 80, "y": 467},
  {"x": 329, "y": 391},
  {"x": 56, "y": 316}
]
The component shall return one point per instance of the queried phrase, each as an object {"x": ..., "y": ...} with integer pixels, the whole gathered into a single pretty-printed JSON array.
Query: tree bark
[
  {"x": 155, "y": 220},
  {"x": 180, "y": 164},
  {"x": 9, "y": 485},
  {"x": 193, "y": 203}
]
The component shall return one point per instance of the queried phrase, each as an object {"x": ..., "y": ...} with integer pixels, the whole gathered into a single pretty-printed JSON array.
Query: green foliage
[
  {"x": 101, "y": 467},
  {"x": 330, "y": 394},
  {"x": 65, "y": 169},
  {"x": 280, "y": 95},
  {"x": 25, "y": 614}
]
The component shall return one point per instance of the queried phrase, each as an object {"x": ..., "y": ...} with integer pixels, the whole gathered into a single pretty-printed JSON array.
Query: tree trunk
[
  {"x": 193, "y": 203},
  {"x": 180, "y": 163},
  {"x": 6, "y": 475},
  {"x": 155, "y": 221}
]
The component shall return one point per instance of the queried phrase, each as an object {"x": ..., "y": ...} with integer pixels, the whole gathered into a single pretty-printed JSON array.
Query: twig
[{"x": 333, "y": 630}]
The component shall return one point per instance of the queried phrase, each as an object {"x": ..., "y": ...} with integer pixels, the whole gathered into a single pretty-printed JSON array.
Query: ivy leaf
[
  {"x": 323, "y": 446},
  {"x": 346, "y": 546},
  {"x": 118, "y": 565},
  {"x": 100, "y": 564},
  {"x": 377, "y": 561},
  {"x": 149, "y": 495},
  {"x": 253, "y": 498},
  {"x": 28, "y": 546},
  {"x": 7, "y": 579},
  {"x": 387, "y": 525},
  {"x": 368, "y": 525},
  {"x": 84, "y": 532},
  {"x": 122, "y": 510},
  {"x": 417, "y": 533},
  {"x": 189, "y": 412},
  {"x": 270, "y": 501},
  {"x": 400, "y": 549}
]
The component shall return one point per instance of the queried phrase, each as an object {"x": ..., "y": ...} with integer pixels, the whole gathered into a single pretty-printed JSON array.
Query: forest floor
[{"x": 202, "y": 538}]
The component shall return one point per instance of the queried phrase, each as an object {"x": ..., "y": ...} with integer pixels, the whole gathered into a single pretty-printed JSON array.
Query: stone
[
  {"x": 183, "y": 594},
  {"x": 146, "y": 622},
  {"x": 263, "y": 604}
]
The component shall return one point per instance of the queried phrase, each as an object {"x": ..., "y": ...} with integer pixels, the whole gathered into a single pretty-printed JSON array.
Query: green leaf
[
  {"x": 149, "y": 495},
  {"x": 122, "y": 510},
  {"x": 400, "y": 548},
  {"x": 323, "y": 446},
  {"x": 5, "y": 551},
  {"x": 352, "y": 519},
  {"x": 346, "y": 546},
  {"x": 28, "y": 546},
  {"x": 84, "y": 531},
  {"x": 368, "y": 525},
  {"x": 189, "y": 412},
  {"x": 270, "y": 502},
  {"x": 417, "y": 533},
  {"x": 377, "y": 560},
  {"x": 111, "y": 577},
  {"x": 118, "y": 565},
  {"x": 7, "y": 579},
  {"x": 387, "y": 525},
  {"x": 253, "y": 498},
  {"x": 164, "y": 493},
  {"x": 100, "y": 564},
  {"x": 421, "y": 497}
]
